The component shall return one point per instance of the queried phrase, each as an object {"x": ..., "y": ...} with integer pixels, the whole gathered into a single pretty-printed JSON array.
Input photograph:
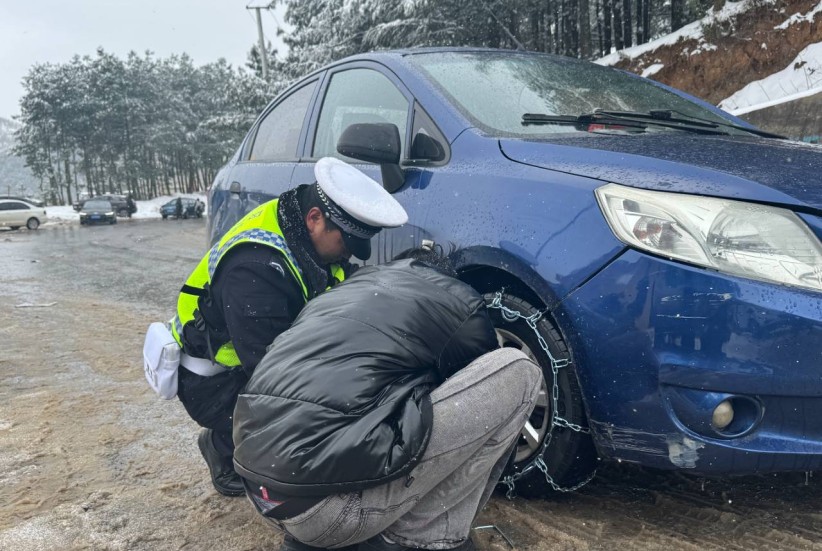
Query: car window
[
  {"x": 495, "y": 90},
  {"x": 427, "y": 142},
  {"x": 278, "y": 134},
  {"x": 14, "y": 205},
  {"x": 357, "y": 96}
]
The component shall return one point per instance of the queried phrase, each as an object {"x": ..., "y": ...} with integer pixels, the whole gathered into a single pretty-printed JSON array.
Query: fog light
[{"x": 723, "y": 415}]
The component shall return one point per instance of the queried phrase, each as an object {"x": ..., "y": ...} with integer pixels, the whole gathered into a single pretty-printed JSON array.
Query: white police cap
[
  {"x": 358, "y": 195},
  {"x": 357, "y": 204}
]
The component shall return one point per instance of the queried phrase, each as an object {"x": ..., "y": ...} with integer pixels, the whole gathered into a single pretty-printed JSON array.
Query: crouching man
[{"x": 383, "y": 418}]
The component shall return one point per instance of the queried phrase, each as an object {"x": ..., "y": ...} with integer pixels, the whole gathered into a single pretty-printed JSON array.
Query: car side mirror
[{"x": 375, "y": 143}]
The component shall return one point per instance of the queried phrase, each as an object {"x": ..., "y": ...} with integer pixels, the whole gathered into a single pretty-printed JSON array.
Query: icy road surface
[{"x": 91, "y": 459}]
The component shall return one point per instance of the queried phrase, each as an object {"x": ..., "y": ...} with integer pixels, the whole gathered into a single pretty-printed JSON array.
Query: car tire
[
  {"x": 570, "y": 456},
  {"x": 33, "y": 223},
  {"x": 114, "y": 221},
  {"x": 165, "y": 217},
  {"x": 122, "y": 213}
]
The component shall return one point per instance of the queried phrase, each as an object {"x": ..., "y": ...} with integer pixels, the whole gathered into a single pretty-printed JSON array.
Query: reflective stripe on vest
[{"x": 258, "y": 226}]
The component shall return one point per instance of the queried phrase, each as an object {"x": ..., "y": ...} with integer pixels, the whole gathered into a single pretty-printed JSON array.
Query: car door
[
  {"x": 270, "y": 153},
  {"x": 6, "y": 213},
  {"x": 267, "y": 157},
  {"x": 17, "y": 213},
  {"x": 366, "y": 92}
]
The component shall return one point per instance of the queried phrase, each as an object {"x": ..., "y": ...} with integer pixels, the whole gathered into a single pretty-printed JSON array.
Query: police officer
[{"x": 251, "y": 285}]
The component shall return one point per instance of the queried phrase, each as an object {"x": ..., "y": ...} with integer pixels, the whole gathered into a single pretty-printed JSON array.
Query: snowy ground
[
  {"x": 145, "y": 209},
  {"x": 91, "y": 459}
]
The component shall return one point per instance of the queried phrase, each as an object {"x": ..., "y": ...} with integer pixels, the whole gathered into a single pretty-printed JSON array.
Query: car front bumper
[
  {"x": 658, "y": 345},
  {"x": 98, "y": 219}
]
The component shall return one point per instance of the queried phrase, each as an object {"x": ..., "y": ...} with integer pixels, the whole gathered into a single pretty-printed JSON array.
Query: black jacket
[
  {"x": 254, "y": 297},
  {"x": 251, "y": 302},
  {"x": 340, "y": 401}
]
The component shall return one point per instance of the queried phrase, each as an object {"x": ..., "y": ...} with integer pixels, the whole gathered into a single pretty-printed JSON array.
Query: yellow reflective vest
[{"x": 258, "y": 226}]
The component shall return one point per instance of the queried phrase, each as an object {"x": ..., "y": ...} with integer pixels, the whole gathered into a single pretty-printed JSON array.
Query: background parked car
[
  {"x": 97, "y": 211},
  {"x": 192, "y": 208},
  {"x": 121, "y": 204},
  {"x": 660, "y": 258},
  {"x": 35, "y": 202},
  {"x": 16, "y": 213}
]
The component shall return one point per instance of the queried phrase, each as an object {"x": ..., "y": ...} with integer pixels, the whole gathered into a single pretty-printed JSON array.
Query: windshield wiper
[
  {"x": 668, "y": 115},
  {"x": 613, "y": 118}
]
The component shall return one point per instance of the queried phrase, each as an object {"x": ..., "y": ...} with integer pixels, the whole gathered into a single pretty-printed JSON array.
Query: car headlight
[
  {"x": 109, "y": 214},
  {"x": 735, "y": 237}
]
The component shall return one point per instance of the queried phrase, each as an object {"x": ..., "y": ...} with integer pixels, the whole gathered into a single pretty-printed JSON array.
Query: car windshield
[
  {"x": 97, "y": 205},
  {"x": 494, "y": 90}
]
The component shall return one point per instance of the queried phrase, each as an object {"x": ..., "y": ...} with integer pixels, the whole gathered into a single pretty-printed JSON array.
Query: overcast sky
[{"x": 55, "y": 30}]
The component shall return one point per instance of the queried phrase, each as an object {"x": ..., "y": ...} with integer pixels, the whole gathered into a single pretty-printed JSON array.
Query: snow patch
[
  {"x": 653, "y": 69},
  {"x": 703, "y": 47},
  {"x": 801, "y": 78},
  {"x": 799, "y": 18}
]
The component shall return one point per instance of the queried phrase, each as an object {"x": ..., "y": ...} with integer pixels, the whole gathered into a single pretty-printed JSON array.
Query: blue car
[{"x": 660, "y": 258}]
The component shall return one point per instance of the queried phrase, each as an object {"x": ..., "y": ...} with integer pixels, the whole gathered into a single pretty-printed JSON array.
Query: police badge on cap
[{"x": 358, "y": 205}]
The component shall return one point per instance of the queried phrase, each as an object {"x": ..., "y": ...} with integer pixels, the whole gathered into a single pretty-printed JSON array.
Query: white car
[{"x": 16, "y": 213}]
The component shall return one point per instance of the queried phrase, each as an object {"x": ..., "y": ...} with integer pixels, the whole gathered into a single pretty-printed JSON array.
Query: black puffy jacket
[{"x": 341, "y": 400}]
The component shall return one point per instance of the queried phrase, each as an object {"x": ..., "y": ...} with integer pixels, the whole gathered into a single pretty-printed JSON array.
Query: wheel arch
[{"x": 487, "y": 269}]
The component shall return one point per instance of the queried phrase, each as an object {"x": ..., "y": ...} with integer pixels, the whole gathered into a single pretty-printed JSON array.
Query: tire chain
[{"x": 556, "y": 421}]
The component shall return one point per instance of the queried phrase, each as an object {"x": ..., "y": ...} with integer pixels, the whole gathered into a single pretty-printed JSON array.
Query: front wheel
[
  {"x": 569, "y": 455},
  {"x": 33, "y": 223}
]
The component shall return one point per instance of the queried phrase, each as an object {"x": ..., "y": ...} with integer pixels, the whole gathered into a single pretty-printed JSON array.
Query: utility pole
[{"x": 258, "y": 5}]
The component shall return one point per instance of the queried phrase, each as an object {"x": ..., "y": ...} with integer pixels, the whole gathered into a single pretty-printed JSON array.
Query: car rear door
[
  {"x": 267, "y": 157},
  {"x": 17, "y": 213},
  {"x": 6, "y": 214}
]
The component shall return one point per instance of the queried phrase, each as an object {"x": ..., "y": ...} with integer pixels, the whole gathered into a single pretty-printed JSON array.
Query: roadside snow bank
[
  {"x": 801, "y": 78},
  {"x": 145, "y": 209}
]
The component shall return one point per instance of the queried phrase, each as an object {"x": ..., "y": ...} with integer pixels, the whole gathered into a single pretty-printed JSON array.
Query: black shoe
[
  {"x": 379, "y": 543},
  {"x": 225, "y": 479},
  {"x": 291, "y": 544}
]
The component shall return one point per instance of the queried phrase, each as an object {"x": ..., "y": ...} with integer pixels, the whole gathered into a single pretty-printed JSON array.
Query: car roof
[
  {"x": 28, "y": 202},
  {"x": 398, "y": 54}
]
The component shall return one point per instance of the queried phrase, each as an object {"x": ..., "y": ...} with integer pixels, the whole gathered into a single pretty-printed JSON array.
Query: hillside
[
  {"x": 15, "y": 178},
  {"x": 749, "y": 55}
]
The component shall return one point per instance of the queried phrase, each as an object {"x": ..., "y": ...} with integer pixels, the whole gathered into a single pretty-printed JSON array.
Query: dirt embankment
[{"x": 749, "y": 47}]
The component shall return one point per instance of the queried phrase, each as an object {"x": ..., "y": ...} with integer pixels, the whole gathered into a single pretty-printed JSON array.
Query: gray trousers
[{"x": 478, "y": 414}]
